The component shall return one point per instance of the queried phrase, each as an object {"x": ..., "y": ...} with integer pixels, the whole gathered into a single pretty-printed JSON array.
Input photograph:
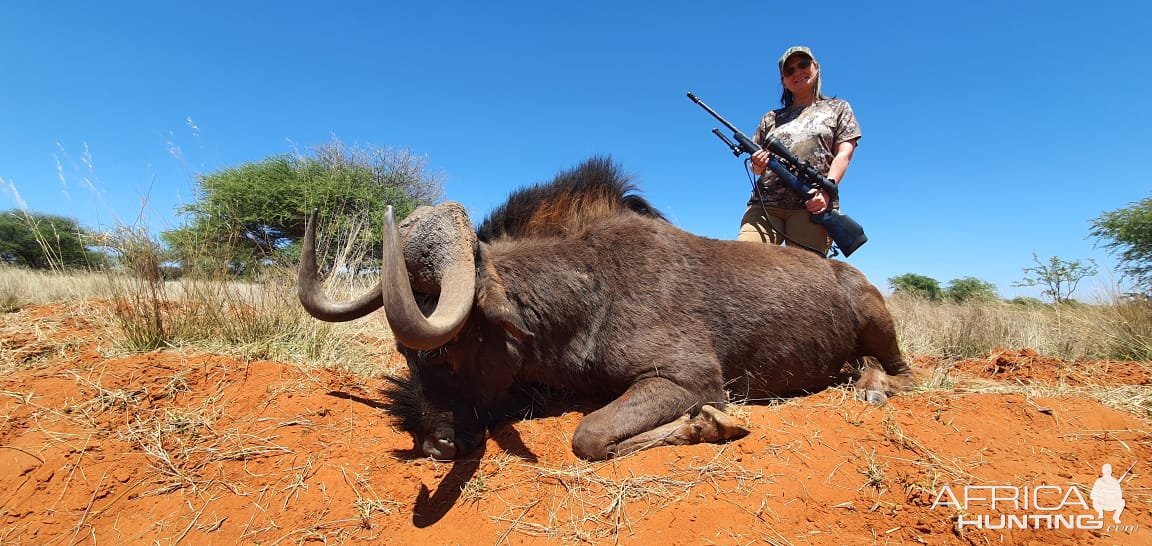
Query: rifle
[
  {"x": 800, "y": 177},
  {"x": 1127, "y": 471}
]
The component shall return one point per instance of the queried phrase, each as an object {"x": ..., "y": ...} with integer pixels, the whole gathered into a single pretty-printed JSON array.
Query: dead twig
[
  {"x": 88, "y": 509},
  {"x": 193, "y": 522},
  {"x": 21, "y": 450},
  {"x": 515, "y": 522}
]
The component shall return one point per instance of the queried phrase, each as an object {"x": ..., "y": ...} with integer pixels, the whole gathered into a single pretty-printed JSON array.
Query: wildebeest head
[
  {"x": 429, "y": 292},
  {"x": 450, "y": 313},
  {"x": 455, "y": 390}
]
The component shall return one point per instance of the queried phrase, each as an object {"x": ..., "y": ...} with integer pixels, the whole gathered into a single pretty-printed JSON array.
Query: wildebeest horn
[
  {"x": 456, "y": 268},
  {"x": 312, "y": 295}
]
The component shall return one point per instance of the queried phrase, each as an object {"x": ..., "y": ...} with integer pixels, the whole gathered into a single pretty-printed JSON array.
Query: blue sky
[{"x": 992, "y": 130}]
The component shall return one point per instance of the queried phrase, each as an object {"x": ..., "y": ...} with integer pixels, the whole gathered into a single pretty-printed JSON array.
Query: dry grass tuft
[
  {"x": 1115, "y": 329},
  {"x": 593, "y": 502},
  {"x": 873, "y": 471},
  {"x": 926, "y": 458},
  {"x": 20, "y": 288},
  {"x": 1134, "y": 399},
  {"x": 368, "y": 503},
  {"x": 185, "y": 447},
  {"x": 248, "y": 320}
]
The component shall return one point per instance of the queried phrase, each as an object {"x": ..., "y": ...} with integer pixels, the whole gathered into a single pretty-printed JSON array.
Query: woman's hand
[
  {"x": 760, "y": 162},
  {"x": 819, "y": 201}
]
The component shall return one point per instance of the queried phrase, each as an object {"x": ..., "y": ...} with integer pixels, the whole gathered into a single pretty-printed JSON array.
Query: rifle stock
[{"x": 847, "y": 233}]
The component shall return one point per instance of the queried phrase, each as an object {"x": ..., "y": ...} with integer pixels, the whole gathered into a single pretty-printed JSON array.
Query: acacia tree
[
  {"x": 256, "y": 212},
  {"x": 1057, "y": 278},
  {"x": 916, "y": 285},
  {"x": 970, "y": 289},
  {"x": 1127, "y": 233},
  {"x": 45, "y": 241}
]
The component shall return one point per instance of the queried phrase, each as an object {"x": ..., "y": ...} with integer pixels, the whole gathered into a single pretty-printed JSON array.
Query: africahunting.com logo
[{"x": 1039, "y": 506}]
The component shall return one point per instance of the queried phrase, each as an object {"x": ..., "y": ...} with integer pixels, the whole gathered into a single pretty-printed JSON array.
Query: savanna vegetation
[
  {"x": 225, "y": 280},
  {"x": 235, "y": 256}
]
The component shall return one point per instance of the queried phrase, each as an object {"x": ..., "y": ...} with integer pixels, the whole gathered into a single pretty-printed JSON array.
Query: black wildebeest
[{"x": 580, "y": 285}]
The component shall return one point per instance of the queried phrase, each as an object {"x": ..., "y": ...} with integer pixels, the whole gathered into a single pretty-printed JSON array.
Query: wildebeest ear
[
  {"x": 514, "y": 326},
  {"x": 492, "y": 300}
]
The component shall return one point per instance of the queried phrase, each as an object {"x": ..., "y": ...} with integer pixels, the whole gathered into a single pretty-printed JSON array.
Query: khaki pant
[{"x": 795, "y": 223}]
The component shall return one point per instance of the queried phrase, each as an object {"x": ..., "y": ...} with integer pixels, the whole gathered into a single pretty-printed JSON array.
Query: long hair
[{"x": 786, "y": 97}]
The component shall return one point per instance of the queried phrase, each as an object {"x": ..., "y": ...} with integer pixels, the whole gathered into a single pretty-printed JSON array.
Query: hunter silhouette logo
[
  {"x": 1106, "y": 495},
  {"x": 1039, "y": 506}
]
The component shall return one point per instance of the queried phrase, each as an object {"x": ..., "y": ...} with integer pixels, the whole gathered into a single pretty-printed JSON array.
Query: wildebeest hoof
[
  {"x": 718, "y": 426},
  {"x": 876, "y": 398}
]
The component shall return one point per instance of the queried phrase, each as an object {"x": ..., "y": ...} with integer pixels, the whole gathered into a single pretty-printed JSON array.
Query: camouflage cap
[{"x": 792, "y": 51}]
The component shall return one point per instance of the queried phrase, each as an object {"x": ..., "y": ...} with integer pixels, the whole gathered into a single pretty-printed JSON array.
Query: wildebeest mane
[{"x": 575, "y": 199}]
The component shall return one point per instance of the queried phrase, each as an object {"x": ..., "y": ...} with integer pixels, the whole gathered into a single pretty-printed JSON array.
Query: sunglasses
[{"x": 802, "y": 65}]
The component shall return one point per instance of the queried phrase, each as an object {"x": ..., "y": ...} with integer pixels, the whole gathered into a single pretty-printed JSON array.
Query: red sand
[{"x": 168, "y": 447}]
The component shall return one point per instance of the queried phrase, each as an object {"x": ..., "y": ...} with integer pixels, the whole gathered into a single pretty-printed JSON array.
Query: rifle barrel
[
  {"x": 718, "y": 117},
  {"x": 1127, "y": 471}
]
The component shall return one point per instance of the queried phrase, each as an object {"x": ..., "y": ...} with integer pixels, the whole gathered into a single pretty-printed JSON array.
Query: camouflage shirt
[{"x": 812, "y": 133}]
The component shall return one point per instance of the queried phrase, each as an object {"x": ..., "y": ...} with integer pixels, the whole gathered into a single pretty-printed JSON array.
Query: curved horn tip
[{"x": 311, "y": 294}]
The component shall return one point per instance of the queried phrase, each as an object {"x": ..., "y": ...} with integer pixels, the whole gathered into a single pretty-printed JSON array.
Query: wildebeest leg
[
  {"x": 710, "y": 425},
  {"x": 652, "y": 412}
]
